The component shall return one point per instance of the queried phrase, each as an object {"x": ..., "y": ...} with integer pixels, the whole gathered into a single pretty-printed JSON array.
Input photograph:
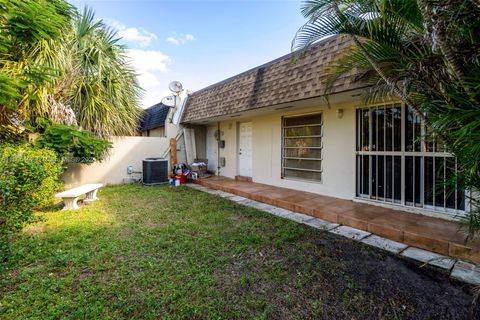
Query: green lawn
[{"x": 159, "y": 252}]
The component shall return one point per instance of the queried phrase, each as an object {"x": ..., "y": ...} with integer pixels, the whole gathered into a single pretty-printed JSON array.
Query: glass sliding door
[{"x": 398, "y": 162}]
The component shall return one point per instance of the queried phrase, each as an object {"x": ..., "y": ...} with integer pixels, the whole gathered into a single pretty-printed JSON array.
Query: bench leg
[
  {"x": 92, "y": 195},
  {"x": 70, "y": 203}
]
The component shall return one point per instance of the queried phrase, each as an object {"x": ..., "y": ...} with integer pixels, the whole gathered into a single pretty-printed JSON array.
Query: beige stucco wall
[
  {"x": 126, "y": 151},
  {"x": 338, "y": 153}
]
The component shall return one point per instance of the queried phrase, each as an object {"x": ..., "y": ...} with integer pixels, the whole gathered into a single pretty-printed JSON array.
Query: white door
[
  {"x": 212, "y": 146},
  {"x": 245, "y": 149}
]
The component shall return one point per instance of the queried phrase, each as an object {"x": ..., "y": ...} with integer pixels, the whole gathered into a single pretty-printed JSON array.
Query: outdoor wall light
[{"x": 339, "y": 113}]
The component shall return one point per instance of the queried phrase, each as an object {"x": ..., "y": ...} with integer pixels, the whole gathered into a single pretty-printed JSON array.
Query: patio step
[{"x": 429, "y": 233}]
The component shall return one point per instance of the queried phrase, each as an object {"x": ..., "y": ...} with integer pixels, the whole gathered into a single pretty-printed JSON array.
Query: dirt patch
[{"x": 324, "y": 276}]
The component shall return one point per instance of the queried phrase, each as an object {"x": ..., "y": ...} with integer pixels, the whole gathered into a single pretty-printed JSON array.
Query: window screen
[{"x": 302, "y": 147}]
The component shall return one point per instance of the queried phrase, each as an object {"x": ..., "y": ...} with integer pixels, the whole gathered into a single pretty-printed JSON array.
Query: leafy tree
[
  {"x": 424, "y": 52},
  {"x": 69, "y": 141},
  {"x": 23, "y": 25}
]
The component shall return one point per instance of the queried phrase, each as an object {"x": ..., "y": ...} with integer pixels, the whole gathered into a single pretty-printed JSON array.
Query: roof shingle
[
  {"x": 154, "y": 117},
  {"x": 279, "y": 81}
]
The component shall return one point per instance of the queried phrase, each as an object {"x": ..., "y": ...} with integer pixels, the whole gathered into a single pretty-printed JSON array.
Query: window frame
[{"x": 283, "y": 147}]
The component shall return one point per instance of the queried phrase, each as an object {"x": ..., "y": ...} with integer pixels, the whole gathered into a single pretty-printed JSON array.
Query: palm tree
[
  {"x": 87, "y": 79},
  {"x": 96, "y": 82},
  {"x": 425, "y": 52}
]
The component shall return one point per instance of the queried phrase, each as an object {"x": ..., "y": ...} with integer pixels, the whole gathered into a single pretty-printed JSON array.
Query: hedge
[{"x": 29, "y": 178}]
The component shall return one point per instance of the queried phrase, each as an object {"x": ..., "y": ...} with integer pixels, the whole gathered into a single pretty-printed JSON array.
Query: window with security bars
[
  {"x": 302, "y": 147},
  {"x": 398, "y": 161}
]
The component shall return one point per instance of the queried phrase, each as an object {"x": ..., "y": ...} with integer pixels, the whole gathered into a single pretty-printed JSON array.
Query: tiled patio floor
[{"x": 424, "y": 232}]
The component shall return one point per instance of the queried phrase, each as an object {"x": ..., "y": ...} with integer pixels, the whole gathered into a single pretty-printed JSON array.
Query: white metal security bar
[{"x": 399, "y": 162}]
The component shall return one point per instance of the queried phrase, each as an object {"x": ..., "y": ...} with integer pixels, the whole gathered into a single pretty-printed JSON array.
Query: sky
[{"x": 198, "y": 42}]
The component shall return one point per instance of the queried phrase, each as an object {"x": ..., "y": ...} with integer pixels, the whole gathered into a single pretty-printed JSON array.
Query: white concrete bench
[{"x": 70, "y": 197}]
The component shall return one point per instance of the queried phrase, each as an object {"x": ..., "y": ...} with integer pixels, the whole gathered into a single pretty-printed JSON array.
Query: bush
[
  {"x": 29, "y": 177},
  {"x": 82, "y": 145}
]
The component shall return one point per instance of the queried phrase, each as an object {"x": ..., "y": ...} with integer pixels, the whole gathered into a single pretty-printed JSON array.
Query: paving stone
[
  {"x": 263, "y": 206},
  {"x": 280, "y": 212},
  {"x": 385, "y": 244},
  {"x": 226, "y": 195},
  {"x": 213, "y": 191},
  {"x": 238, "y": 198},
  {"x": 321, "y": 224},
  {"x": 260, "y": 206},
  {"x": 299, "y": 217},
  {"x": 351, "y": 233},
  {"x": 196, "y": 186},
  {"x": 271, "y": 209},
  {"x": 247, "y": 203},
  {"x": 250, "y": 203},
  {"x": 429, "y": 257},
  {"x": 467, "y": 272}
]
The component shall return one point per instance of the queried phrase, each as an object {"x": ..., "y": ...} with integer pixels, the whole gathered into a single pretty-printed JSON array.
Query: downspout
[{"x": 218, "y": 148}]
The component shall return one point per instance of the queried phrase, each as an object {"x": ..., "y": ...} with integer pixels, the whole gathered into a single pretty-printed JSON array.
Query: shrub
[
  {"x": 28, "y": 177},
  {"x": 82, "y": 145}
]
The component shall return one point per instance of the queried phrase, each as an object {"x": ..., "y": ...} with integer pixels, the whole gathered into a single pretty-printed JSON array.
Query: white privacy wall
[
  {"x": 338, "y": 153},
  {"x": 126, "y": 151}
]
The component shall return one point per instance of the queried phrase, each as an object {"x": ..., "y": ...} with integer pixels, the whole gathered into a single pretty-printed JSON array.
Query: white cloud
[
  {"x": 149, "y": 60},
  {"x": 151, "y": 67},
  {"x": 173, "y": 40},
  {"x": 179, "y": 38},
  {"x": 138, "y": 36}
]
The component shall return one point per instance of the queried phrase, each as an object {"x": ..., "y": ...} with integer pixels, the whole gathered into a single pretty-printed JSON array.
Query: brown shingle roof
[{"x": 276, "y": 82}]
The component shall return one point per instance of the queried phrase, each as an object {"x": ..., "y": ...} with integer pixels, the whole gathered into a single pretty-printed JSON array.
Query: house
[
  {"x": 273, "y": 125},
  {"x": 153, "y": 121}
]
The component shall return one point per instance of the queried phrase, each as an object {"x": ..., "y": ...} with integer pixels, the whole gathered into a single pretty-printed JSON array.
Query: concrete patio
[{"x": 429, "y": 233}]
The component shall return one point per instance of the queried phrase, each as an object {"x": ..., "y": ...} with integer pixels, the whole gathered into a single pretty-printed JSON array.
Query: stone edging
[{"x": 459, "y": 270}]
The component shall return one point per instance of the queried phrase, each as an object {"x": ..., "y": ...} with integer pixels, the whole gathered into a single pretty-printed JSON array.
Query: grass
[{"x": 176, "y": 253}]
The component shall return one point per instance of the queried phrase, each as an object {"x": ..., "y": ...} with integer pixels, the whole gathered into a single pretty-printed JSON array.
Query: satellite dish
[
  {"x": 169, "y": 101},
  {"x": 176, "y": 87}
]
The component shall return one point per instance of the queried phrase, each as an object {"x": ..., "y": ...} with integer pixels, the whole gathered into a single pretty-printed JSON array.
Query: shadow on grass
[{"x": 158, "y": 252}]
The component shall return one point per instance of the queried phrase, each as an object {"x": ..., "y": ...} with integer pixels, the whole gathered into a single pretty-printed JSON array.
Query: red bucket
[{"x": 182, "y": 177}]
